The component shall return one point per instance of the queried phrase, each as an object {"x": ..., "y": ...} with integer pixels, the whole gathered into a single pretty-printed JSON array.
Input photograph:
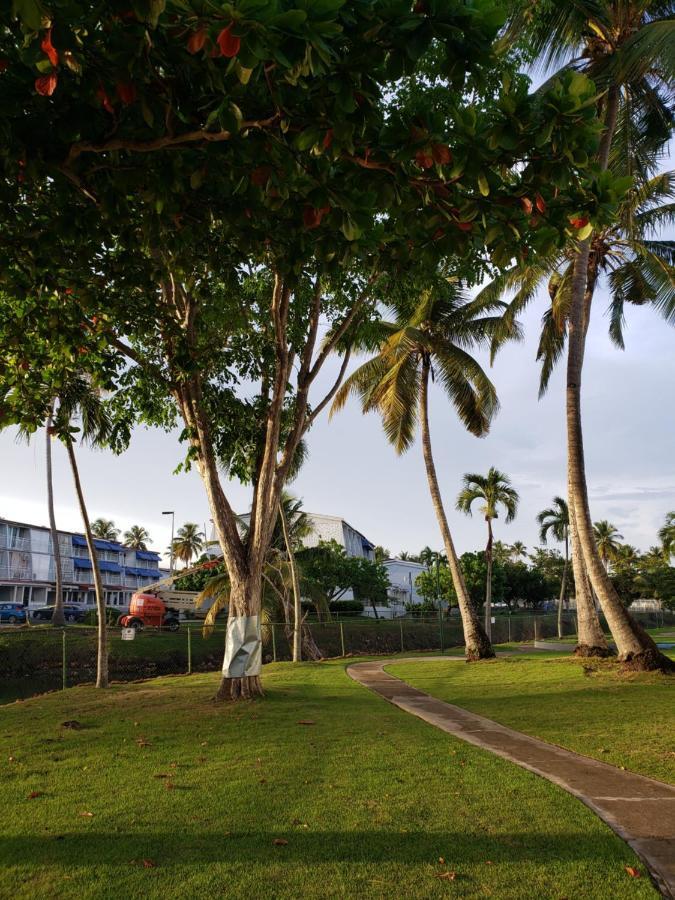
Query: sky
[{"x": 352, "y": 472}]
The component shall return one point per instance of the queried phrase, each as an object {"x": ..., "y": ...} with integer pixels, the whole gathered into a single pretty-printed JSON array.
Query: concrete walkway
[{"x": 640, "y": 810}]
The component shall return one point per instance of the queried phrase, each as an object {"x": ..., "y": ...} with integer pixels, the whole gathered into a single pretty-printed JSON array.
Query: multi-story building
[{"x": 27, "y": 567}]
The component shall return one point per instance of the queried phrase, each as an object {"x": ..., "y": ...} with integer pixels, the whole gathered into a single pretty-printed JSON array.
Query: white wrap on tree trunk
[{"x": 243, "y": 647}]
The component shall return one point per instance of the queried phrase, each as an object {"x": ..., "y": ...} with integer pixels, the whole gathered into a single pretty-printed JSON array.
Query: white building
[{"x": 403, "y": 574}]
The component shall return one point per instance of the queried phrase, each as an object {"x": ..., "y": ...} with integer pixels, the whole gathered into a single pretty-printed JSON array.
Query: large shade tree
[{"x": 186, "y": 193}]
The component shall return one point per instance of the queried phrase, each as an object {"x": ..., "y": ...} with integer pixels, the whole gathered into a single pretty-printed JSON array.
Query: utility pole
[{"x": 173, "y": 516}]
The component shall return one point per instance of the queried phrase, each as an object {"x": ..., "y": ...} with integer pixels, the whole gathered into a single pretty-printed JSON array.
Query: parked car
[
  {"x": 71, "y": 613},
  {"x": 12, "y": 613}
]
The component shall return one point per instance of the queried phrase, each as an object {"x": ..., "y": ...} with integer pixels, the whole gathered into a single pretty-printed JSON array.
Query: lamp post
[{"x": 173, "y": 516}]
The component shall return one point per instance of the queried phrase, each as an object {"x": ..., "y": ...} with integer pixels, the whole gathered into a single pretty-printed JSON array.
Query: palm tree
[
  {"x": 626, "y": 50},
  {"x": 432, "y": 341},
  {"x": 517, "y": 551},
  {"x": 58, "y": 617},
  {"x": 381, "y": 553},
  {"x": 493, "y": 490},
  {"x": 188, "y": 542},
  {"x": 105, "y": 529},
  {"x": 136, "y": 538},
  {"x": 556, "y": 520},
  {"x": 607, "y": 539},
  {"x": 295, "y": 526},
  {"x": 667, "y": 535}
]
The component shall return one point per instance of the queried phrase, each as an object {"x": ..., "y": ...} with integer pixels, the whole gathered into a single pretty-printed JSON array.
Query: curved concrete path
[{"x": 640, "y": 810}]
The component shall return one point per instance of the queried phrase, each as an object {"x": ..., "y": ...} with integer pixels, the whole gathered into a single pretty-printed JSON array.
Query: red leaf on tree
[
  {"x": 260, "y": 175},
  {"x": 540, "y": 203},
  {"x": 126, "y": 92},
  {"x": 4, "y": 65},
  {"x": 229, "y": 43},
  {"x": 46, "y": 84},
  {"x": 437, "y": 235},
  {"x": 105, "y": 100},
  {"x": 526, "y": 204},
  {"x": 420, "y": 7},
  {"x": 423, "y": 159},
  {"x": 312, "y": 217},
  {"x": 327, "y": 139},
  {"x": 441, "y": 154},
  {"x": 579, "y": 222},
  {"x": 464, "y": 226},
  {"x": 49, "y": 49},
  {"x": 196, "y": 41}
]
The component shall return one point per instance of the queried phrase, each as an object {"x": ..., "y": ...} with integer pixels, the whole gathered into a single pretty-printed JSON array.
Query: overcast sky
[{"x": 629, "y": 426}]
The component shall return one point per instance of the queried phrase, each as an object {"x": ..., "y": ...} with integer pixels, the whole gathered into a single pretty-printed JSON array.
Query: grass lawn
[
  {"x": 368, "y": 798},
  {"x": 585, "y": 705}
]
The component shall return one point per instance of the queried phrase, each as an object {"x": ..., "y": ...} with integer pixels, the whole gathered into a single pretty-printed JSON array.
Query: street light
[{"x": 173, "y": 515}]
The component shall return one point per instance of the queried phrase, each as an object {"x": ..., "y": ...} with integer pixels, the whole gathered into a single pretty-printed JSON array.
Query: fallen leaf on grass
[
  {"x": 488, "y": 862},
  {"x": 446, "y": 876},
  {"x": 143, "y": 743},
  {"x": 441, "y": 860},
  {"x": 162, "y": 775},
  {"x": 71, "y": 723},
  {"x": 86, "y": 815},
  {"x": 633, "y": 872},
  {"x": 11, "y": 759},
  {"x": 169, "y": 785},
  {"x": 34, "y": 794},
  {"x": 306, "y": 722},
  {"x": 279, "y": 842},
  {"x": 149, "y": 864}
]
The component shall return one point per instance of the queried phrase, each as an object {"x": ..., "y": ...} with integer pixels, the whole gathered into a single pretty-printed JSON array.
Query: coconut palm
[
  {"x": 188, "y": 542},
  {"x": 430, "y": 341},
  {"x": 667, "y": 535},
  {"x": 105, "y": 529},
  {"x": 607, "y": 539},
  {"x": 517, "y": 551},
  {"x": 627, "y": 50},
  {"x": 492, "y": 491},
  {"x": 555, "y": 520},
  {"x": 136, "y": 538}
]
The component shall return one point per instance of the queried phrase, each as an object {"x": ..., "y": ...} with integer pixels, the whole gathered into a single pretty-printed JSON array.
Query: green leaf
[
  {"x": 483, "y": 185},
  {"x": 350, "y": 229},
  {"x": 585, "y": 232},
  {"x": 30, "y": 12}
]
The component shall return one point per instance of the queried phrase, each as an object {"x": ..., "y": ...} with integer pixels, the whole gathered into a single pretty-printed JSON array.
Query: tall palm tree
[
  {"x": 627, "y": 49},
  {"x": 556, "y": 521},
  {"x": 105, "y": 529},
  {"x": 58, "y": 617},
  {"x": 431, "y": 342},
  {"x": 667, "y": 535},
  {"x": 136, "y": 538},
  {"x": 188, "y": 542},
  {"x": 607, "y": 539},
  {"x": 517, "y": 551},
  {"x": 492, "y": 490}
]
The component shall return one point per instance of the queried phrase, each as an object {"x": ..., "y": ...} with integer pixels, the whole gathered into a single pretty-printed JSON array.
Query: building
[
  {"x": 403, "y": 574},
  {"x": 27, "y": 567}
]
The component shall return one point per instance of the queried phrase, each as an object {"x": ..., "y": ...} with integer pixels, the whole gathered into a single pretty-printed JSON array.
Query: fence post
[
  {"x": 440, "y": 623},
  {"x": 189, "y": 649},
  {"x": 64, "y": 670},
  {"x": 401, "y": 627},
  {"x": 274, "y": 643},
  {"x": 534, "y": 620},
  {"x": 342, "y": 638},
  {"x": 509, "y": 626}
]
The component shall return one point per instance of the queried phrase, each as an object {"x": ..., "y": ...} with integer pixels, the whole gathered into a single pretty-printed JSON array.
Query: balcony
[
  {"x": 15, "y": 573},
  {"x": 10, "y": 542}
]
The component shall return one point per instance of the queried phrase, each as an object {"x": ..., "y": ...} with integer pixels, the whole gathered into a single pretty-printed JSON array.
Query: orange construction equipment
[{"x": 148, "y": 611}]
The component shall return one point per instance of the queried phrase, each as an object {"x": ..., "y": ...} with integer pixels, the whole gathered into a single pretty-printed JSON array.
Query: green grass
[
  {"x": 369, "y": 799},
  {"x": 587, "y": 706}
]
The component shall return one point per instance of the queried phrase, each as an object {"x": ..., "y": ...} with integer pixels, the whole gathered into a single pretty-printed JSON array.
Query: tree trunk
[
  {"x": 635, "y": 646},
  {"x": 297, "y": 605},
  {"x": 372, "y": 603},
  {"x": 58, "y": 617},
  {"x": 591, "y": 639},
  {"x": 563, "y": 586},
  {"x": 243, "y": 645},
  {"x": 477, "y": 643},
  {"x": 102, "y": 643},
  {"x": 488, "y": 583}
]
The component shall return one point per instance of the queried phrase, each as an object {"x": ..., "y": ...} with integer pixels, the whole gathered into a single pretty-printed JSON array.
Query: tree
[
  {"x": 205, "y": 216},
  {"x": 105, "y": 529},
  {"x": 556, "y": 521},
  {"x": 627, "y": 51},
  {"x": 518, "y": 551},
  {"x": 436, "y": 585},
  {"x": 607, "y": 539},
  {"x": 326, "y": 572},
  {"x": 370, "y": 582},
  {"x": 667, "y": 535},
  {"x": 188, "y": 542},
  {"x": 493, "y": 490},
  {"x": 136, "y": 538},
  {"x": 381, "y": 553},
  {"x": 58, "y": 617},
  {"x": 438, "y": 331}
]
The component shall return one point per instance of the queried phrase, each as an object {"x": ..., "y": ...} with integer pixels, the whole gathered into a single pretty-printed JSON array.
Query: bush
[
  {"x": 346, "y": 606},
  {"x": 111, "y": 616}
]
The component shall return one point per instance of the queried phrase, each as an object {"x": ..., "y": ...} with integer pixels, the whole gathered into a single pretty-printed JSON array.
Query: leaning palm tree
[
  {"x": 188, "y": 542},
  {"x": 105, "y": 529},
  {"x": 667, "y": 535},
  {"x": 430, "y": 342},
  {"x": 136, "y": 538},
  {"x": 556, "y": 521},
  {"x": 492, "y": 490},
  {"x": 627, "y": 50},
  {"x": 517, "y": 551},
  {"x": 607, "y": 540}
]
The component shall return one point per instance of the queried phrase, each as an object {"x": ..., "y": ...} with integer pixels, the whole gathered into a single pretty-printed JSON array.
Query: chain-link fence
[{"x": 38, "y": 659}]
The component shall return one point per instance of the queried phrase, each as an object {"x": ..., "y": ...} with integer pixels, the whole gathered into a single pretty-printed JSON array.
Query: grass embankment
[
  {"x": 368, "y": 798},
  {"x": 588, "y": 706}
]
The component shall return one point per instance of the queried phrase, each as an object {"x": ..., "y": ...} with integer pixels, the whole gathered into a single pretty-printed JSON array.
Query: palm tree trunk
[
  {"x": 591, "y": 639},
  {"x": 297, "y": 605},
  {"x": 488, "y": 583},
  {"x": 102, "y": 643},
  {"x": 563, "y": 585},
  {"x": 477, "y": 643},
  {"x": 634, "y": 644},
  {"x": 58, "y": 617}
]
